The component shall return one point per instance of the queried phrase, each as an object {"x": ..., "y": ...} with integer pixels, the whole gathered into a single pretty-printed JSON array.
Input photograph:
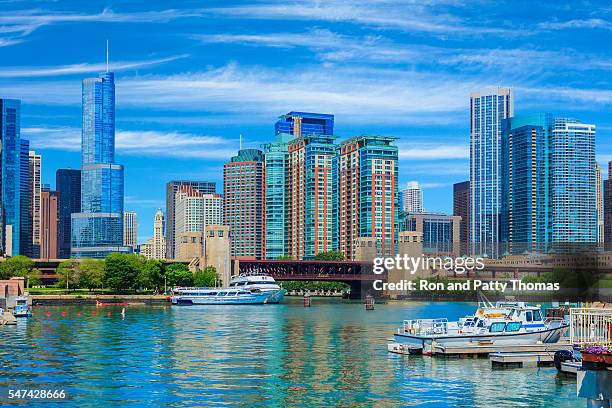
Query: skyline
[{"x": 188, "y": 86}]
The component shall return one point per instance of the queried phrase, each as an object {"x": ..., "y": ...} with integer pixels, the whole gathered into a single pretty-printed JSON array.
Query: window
[
  {"x": 497, "y": 327},
  {"x": 528, "y": 316},
  {"x": 537, "y": 316},
  {"x": 513, "y": 326}
]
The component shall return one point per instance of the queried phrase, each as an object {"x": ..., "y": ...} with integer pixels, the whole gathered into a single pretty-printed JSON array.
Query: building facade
[
  {"x": 412, "y": 198},
  {"x": 98, "y": 229},
  {"x": 68, "y": 187},
  {"x": 35, "y": 165},
  {"x": 440, "y": 233},
  {"x": 367, "y": 193},
  {"x": 600, "y": 205},
  {"x": 461, "y": 208},
  {"x": 310, "y": 196},
  {"x": 488, "y": 109},
  {"x": 25, "y": 216},
  {"x": 217, "y": 251},
  {"x": 244, "y": 204},
  {"x": 607, "y": 199},
  {"x": 204, "y": 187},
  {"x": 130, "y": 229},
  {"x": 48, "y": 224},
  {"x": 305, "y": 123}
]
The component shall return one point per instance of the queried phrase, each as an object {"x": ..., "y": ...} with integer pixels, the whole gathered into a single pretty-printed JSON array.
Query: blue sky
[{"x": 192, "y": 76}]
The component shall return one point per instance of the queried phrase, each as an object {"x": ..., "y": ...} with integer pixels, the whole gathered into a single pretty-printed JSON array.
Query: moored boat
[
  {"x": 218, "y": 296},
  {"x": 22, "y": 309},
  {"x": 259, "y": 284}
]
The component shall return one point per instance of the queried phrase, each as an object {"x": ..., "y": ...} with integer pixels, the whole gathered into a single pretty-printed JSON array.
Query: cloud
[
  {"x": 73, "y": 69},
  {"x": 144, "y": 202},
  {"x": 432, "y": 151},
  {"x": 589, "y": 23},
  {"x": 137, "y": 143}
]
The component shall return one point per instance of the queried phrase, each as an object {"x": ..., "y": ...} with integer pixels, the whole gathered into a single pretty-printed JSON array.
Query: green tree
[
  {"x": 330, "y": 256},
  {"x": 152, "y": 275},
  {"x": 178, "y": 274},
  {"x": 207, "y": 277},
  {"x": 90, "y": 273},
  {"x": 16, "y": 266},
  {"x": 121, "y": 271},
  {"x": 68, "y": 274},
  {"x": 284, "y": 258}
]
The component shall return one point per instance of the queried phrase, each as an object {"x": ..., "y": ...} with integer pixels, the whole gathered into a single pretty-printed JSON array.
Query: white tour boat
[
  {"x": 503, "y": 324},
  {"x": 259, "y": 283},
  {"x": 218, "y": 296}
]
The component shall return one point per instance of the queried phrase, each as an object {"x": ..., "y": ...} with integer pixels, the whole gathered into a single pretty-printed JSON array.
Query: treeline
[
  {"x": 119, "y": 272},
  {"x": 315, "y": 286}
]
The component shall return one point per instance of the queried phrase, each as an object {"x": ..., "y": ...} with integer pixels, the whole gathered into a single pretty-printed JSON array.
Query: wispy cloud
[
  {"x": 138, "y": 143},
  {"x": 432, "y": 151},
  {"x": 73, "y": 69},
  {"x": 588, "y": 23}
]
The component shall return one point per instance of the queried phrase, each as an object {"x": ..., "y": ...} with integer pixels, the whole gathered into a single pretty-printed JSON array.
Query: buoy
[
  {"x": 109, "y": 313},
  {"x": 78, "y": 313},
  {"x": 63, "y": 313},
  {"x": 94, "y": 313},
  {"x": 48, "y": 314}
]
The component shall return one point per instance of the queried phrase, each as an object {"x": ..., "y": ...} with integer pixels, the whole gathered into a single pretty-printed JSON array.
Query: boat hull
[
  {"x": 255, "y": 299},
  {"x": 277, "y": 296}
]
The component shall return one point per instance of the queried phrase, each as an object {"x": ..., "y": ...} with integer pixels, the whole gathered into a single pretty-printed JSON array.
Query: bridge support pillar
[{"x": 355, "y": 290}]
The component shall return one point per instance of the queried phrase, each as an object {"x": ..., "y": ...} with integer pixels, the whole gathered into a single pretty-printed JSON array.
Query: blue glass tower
[
  {"x": 98, "y": 229},
  {"x": 488, "y": 109},
  {"x": 25, "y": 212},
  {"x": 305, "y": 123},
  {"x": 10, "y": 175}
]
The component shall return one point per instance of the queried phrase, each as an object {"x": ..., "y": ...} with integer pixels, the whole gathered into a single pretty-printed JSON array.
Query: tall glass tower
[
  {"x": 98, "y": 229},
  {"x": 488, "y": 109}
]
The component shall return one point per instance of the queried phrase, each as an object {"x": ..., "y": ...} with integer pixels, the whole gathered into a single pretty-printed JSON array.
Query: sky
[{"x": 191, "y": 76}]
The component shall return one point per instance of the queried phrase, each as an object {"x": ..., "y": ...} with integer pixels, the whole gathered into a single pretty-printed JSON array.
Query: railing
[
  {"x": 425, "y": 326},
  {"x": 591, "y": 326}
]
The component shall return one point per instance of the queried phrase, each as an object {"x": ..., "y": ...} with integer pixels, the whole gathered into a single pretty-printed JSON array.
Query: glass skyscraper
[
  {"x": 305, "y": 123},
  {"x": 25, "y": 214},
  {"x": 68, "y": 186},
  {"x": 98, "y": 229},
  {"x": 488, "y": 109}
]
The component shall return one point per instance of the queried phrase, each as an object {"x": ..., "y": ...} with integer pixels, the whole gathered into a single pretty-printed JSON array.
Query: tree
[
  {"x": 284, "y": 258},
  {"x": 178, "y": 274},
  {"x": 16, "y": 266},
  {"x": 330, "y": 256},
  {"x": 68, "y": 274},
  {"x": 90, "y": 273},
  {"x": 207, "y": 277},
  {"x": 121, "y": 271},
  {"x": 152, "y": 275}
]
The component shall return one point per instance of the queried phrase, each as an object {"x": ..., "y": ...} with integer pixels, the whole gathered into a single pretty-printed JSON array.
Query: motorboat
[
  {"x": 259, "y": 283},
  {"x": 22, "y": 309},
  {"x": 218, "y": 296},
  {"x": 515, "y": 323}
]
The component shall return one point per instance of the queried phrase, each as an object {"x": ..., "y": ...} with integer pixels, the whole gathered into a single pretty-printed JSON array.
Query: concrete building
[
  {"x": 367, "y": 192},
  {"x": 607, "y": 206},
  {"x": 461, "y": 208},
  {"x": 34, "y": 167},
  {"x": 217, "y": 251},
  {"x": 440, "y": 232},
  {"x": 155, "y": 248},
  {"x": 48, "y": 225},
  {"x": 130, "y": 229},
  {"x": 204, "y": 187},
  {"x": 244, "y": 203},
  {"x": 600, "y": 205},
  {"x": 412, "y": 198}
]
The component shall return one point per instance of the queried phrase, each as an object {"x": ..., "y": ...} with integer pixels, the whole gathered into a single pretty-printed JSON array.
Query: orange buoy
[
  {"x": 48, "y": 314},
  {"x": 63, "y": 313},
  {"x": 109, "y": 313}
]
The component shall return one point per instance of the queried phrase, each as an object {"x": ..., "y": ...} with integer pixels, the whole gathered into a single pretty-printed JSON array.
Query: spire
[
  {"x": 241, "y": 141},
  {"x": 107, "y": 55}
]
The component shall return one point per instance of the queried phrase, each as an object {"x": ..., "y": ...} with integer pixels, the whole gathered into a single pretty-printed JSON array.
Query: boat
[
  {"x": 218, "y": 296},
  {"x": 21, "y": 307},
  {"x": 514, "y": 323},
  {"x": 259, "y": 283}
]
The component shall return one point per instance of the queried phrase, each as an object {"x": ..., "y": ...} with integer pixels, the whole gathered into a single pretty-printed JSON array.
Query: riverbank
[{"x": 50, "y": 300}]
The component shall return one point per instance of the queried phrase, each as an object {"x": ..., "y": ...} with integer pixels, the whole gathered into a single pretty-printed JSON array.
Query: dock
[
  {"x": 537, "y": 359},
  {"x": 487, "y": 349}
]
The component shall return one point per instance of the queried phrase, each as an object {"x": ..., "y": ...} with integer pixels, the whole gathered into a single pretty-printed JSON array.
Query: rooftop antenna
[
  {"x": 241, "y": 141},
  {"x": 107, "y": 55}
]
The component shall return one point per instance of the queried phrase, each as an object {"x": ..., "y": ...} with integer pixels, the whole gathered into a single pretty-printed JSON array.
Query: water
[{"x": 332, "y": 354}]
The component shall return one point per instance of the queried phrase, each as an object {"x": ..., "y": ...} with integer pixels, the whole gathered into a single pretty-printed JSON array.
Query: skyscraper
[
  {"x": 25, "y": 216},
  {"x": 607, "y": 199},
  {"x": 412, "y": 198},
  {"x": 204, "y": 187},
  {"x": 600, "y": 207},
  {"x": 98, "y": 229},
  {"x": 68, "y": 186},
  {"x": 244, "y": 204},
  {"x": 35, "y": 163},
  {"x": 48, "y": 224},
  {"x": 275, "y": 158},
  {"x": 10, "y": 172},
  {"x": 130, "y": 229},
  {"x": 311, "y": 196},
  {"x": 367, "y": 193},
  {"x": 488, "y": 109},
  {"x": 461, "y": 208},
  {"x": 155, "y": 248},
  {"x": 305, "y": 123},
  {"x": 525, "y": 193},
  {"x": 573, "y": 184}
]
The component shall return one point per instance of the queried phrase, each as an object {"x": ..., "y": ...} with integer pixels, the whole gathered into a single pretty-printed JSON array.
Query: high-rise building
[
  {"x": 275, "y": 158},
  {"x": 412, "y": 198},
  {"x": 25, "y": 217},
  {"x": 440, "y": 232},
  {"x": 10, "y": 173},
  {"x": 204, "y": 187},
  {"x": 488, "y": 109},
  {"x": 98, "y": 229},
  {"x": 130, "y": 229},
  {"x": 192, "y": 213},
  {"x": 573, "y": 186},
  {"x": 525, "y": 210},
  {"x": 155, "y": 248},
  {"x": 607, "y": 199},
  {"x": 68, "y": 186},
  {"x": 311, "y": 196},
  {"x": 461, "y": 208},
  {"x": 35, "y": 164},
  {"x": 305, "y": 123},
  {"x": 600, "y": 207},
  {"x": 48, "y": 224},
  {"x": 367, "y": 193},
  {"x": 244, "y": 204}
]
